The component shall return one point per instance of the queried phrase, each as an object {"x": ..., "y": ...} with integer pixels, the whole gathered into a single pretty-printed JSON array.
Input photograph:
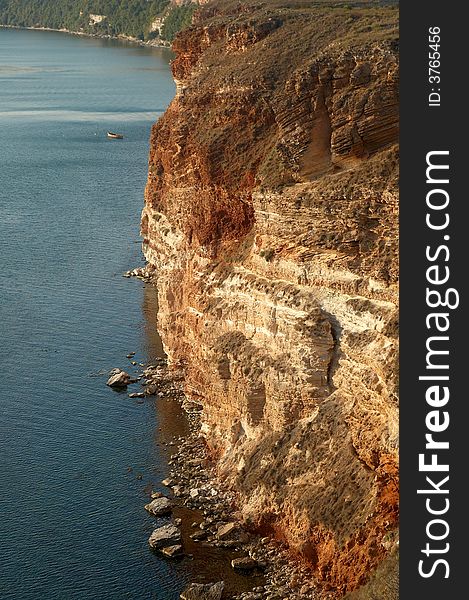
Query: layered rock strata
[{"x": 271, "y": 215}]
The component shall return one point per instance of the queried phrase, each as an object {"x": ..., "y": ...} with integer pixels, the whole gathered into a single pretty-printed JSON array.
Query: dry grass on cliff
[
  {"x": 232, "y": 5},
  {"x": 251, "y": 79},
  {"x": 354, "y": 23},
  {"x": 297, "y": 38}
]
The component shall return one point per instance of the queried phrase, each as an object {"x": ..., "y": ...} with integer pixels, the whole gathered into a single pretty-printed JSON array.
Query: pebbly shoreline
[{"x": 192, "y": 489}]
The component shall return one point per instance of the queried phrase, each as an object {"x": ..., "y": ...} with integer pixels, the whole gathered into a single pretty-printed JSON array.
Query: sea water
[{"x": 76, "y": 458}]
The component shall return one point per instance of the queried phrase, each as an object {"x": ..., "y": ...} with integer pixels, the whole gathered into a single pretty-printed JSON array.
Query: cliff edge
[{"x": 271, "y": 218}]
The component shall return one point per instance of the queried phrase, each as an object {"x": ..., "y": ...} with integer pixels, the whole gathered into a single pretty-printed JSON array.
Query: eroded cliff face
[{"x": 271, "y": 219}]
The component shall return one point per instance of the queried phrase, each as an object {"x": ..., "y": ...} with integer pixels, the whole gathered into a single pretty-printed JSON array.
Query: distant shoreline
[{"x": 119, "y": 38}]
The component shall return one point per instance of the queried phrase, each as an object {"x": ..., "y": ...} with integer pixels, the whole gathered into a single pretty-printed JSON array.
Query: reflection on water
[
  {"x": 171, "y": 419},
  {"x": 210, "y": 564},
  {"x": 205, "y": 563},
  {"x": 154, "y": 346}
]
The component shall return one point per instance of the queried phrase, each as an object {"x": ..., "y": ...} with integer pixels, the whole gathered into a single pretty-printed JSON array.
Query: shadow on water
[
  {"x": 202, "y": 563},
  {"x": 153, "y": 341}
]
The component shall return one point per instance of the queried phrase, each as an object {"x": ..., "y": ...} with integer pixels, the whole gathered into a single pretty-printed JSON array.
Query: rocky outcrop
[
  {"x": 159, "y": 506},
  {"x": 271, "y": 219},
  {"x": 118, "y": 379},
  {"x": 200, "y": 591},
  {"x": 164, "y": 537}
]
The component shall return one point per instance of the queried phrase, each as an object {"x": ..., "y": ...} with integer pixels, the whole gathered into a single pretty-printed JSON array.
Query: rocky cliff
[{"x": 271, "y": 217}]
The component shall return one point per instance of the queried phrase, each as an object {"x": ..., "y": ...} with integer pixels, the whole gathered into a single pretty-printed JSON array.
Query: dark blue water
[{"x": 72, "y": 523}]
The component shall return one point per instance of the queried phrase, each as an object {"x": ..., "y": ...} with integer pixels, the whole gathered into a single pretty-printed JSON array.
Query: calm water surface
[
  {"x": 77, "y": 459},
  {"x": 72, "y": 523}
]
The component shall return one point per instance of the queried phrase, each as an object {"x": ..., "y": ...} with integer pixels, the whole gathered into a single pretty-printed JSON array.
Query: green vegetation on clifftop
[
  {"x": 131, "y": 18},
  {"x": 179, "y": 18}
]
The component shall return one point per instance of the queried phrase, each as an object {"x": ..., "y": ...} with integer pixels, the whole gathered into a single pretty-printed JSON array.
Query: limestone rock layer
[{"x": 271, "y": 218}]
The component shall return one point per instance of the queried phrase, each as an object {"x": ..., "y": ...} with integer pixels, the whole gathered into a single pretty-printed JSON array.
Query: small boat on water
[{"x": 115, "y": 136}]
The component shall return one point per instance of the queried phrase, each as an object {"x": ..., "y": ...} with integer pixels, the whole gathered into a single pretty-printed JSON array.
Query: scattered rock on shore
[
  {"x": 159, "y": 506},
  {"x": 227, "y": 531},
  {"x": 172, "y": 551},
  {"x": 118, "y": 379},
  {"x": 192, "y": 471},
  {"x": 140, "y": 272},
  {"x": 191, "y": 407},
  {"x": 244, "y": 564},
  {"x": 168, "y": 535},
  {"x": 200, "y": 591},
  {"x": 199, "y": 536}
]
